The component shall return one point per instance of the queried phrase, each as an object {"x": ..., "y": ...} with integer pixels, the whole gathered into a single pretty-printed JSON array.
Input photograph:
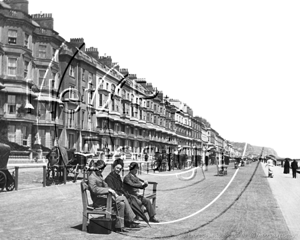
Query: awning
[
  {"x": 28, "y": 105},
  {"x": 91, "y": 138},
  {"x": 44, "y": 98},
  {"x": 19, "y": 90}
]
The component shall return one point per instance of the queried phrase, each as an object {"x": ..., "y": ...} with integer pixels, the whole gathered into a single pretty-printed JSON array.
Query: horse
[{"x": 58, "y": 159}]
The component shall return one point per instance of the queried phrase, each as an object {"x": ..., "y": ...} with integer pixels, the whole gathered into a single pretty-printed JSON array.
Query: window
[
  {"x": 12, "y": 36},
  {"x": 82, "y": 118},
  {"x": 52, "y": 83},
  {"x": 24, "y": 134},
  {"x": 71, "y": 140},
  {"x": 71, "y": 71},
  {"x": 12, "y": 66},
  {"x": 42, "y": 51},
  {"x": 25, "y": 68},
  {"x": 11, "y": 101},
  {"x": 154, "y": 107},
  {"x": 82, "y": 76},
  {"x": 90, "y": 98},
  {"x": 113, "y": 89},
  {"x": 41, "y": 77},
  {"x": 53, "y": 53},
  {"x": 90, "y": 78},
  {"x": 148, "y": 104},
  {"x": 123, "y": 94},
  {"x": 83, "y": 95},
  {"x": 154, "y": 119},
  {"x": 26, "y": 40},
  {"x": 100, "y": 100},
  {"x": 106, "y": 86},
  {"x": 72, "y": 92},
  {"x": 11, "y": 133}
]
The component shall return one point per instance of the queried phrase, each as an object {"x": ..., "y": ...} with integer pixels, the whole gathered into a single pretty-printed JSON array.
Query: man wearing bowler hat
[{"x": 132, "y": 184}]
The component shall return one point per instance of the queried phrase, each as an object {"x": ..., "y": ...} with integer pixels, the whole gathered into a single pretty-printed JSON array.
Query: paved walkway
[{"x": 286, "y": 190}]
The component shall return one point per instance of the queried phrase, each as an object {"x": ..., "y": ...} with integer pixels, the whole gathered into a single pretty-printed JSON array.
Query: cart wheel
[
  {"x": 11, "y": 186},
  {"x": 2, "y": 181}
]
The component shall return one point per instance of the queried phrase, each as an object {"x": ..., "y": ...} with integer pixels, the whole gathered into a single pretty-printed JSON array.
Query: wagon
[
  {"x": 6, "y": 178},
  {"x": 60, "y": 158}
]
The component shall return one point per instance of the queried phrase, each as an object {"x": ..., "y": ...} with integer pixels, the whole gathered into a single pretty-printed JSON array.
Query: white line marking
[{"x": 201, "y": 210}]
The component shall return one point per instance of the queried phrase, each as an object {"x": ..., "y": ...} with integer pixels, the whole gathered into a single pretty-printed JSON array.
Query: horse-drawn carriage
[
  {"x": 6, "y": 179},
  {"x": 60, "y": 159}
]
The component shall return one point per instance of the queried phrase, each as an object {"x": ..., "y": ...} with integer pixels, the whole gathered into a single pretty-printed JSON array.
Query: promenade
[
  {"x": 247, "y": 210},
  {"x": 286, "y": 191}
]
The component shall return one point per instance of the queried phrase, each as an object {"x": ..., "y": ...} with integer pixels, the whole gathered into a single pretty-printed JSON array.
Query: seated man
[
  {"x": 132, "y": 184},
  {"x": 99, "y": 188},
  {"x": 114, "y": 181}
]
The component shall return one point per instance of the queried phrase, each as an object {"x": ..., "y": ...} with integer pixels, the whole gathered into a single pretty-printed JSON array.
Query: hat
[
  {"x": 100, "y": 164},
  {"x": 118, "y": 161},
  {"x": 133, "y": 165}
]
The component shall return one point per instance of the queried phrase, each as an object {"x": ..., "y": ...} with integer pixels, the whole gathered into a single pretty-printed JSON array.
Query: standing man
[
  {"x": 294, "y": 167},
  {"x": 132, "y": 184}
]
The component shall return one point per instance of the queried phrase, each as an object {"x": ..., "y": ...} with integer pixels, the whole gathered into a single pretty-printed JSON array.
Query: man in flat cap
[{"x": 132, "y": 184}]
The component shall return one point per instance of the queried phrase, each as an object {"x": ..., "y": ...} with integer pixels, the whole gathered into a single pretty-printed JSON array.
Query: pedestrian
[
  {"x": 294, "y": 167},
  {"x": 286, "y": 167},
  {"x": 146, "y": 157},
  {"x": 206, "y": 162},
  {"x": 158, "y": 161}
]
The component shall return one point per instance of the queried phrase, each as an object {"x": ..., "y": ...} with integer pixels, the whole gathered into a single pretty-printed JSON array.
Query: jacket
[
  {"x": 132, "y": 184},
  {"x": 98, "y": 189},
  {"x": 114, "y": 181},
  {"x": 294, "y": 165}
]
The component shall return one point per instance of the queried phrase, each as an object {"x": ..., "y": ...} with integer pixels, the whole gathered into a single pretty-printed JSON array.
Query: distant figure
[
  {"x": 270, "y": 165},
  {"x": 286, "y": 167},
  {"x": 206, "y": 162},
  {"x": 294, "y": 167},
  {"x": 159, "y": 161},
  {"x": 146, "y": 157}
]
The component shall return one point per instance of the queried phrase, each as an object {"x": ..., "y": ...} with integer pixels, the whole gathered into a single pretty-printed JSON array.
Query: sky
[{"x": 235, "y": 63}]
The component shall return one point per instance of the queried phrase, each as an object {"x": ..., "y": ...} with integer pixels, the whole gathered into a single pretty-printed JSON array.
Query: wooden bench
[
  {"x": 152, "y": 196},
  {"x": 88, "y": 209}
]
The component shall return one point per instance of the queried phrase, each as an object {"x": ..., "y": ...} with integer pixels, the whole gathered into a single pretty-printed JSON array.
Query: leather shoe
[
  {"x": 134, "y": 225},
  {"x": 154, "y": 220},
  {"x": 117, "y": 230}
]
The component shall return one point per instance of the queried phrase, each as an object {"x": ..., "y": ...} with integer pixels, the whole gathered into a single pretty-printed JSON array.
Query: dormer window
[
  {"x": 12, "y": 36},
  {"x": 42, "y": 51}
]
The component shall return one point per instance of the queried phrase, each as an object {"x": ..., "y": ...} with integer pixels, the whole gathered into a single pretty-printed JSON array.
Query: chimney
[
  {"x": 141, "y": 80},
  {"x": 132, "y": 76},
  {"x": 116, "y": 67},
  {"x": 77, "y": 42},
  {"x": 124, "y": 71},
  {"x": 106, "y": 60},
  {"x": 92, "y": 52},
  {"x": 45, "y": 20},
  {"x": 21, "y": 5}
]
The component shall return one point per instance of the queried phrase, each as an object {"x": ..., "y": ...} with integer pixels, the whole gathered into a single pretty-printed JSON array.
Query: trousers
[
  {"x": 294, "y": 173},
  {"x": 124, "y": 211},
  {"x": 147, "y": 203}
]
